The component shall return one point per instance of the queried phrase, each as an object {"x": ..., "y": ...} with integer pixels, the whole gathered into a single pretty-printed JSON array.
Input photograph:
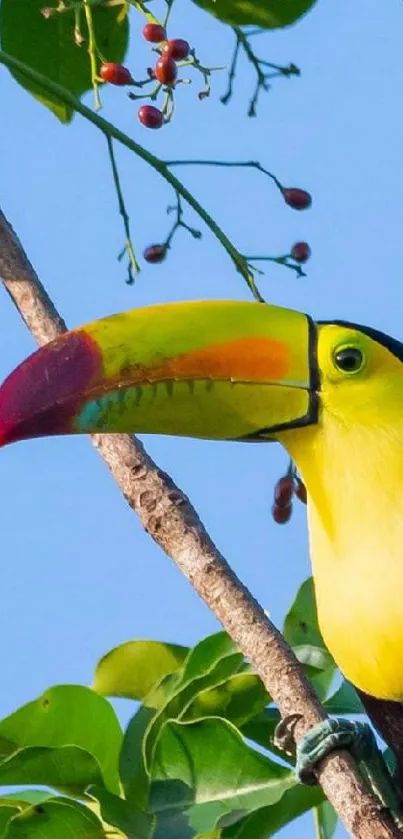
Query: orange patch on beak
[{"x": 243, "y": 360}]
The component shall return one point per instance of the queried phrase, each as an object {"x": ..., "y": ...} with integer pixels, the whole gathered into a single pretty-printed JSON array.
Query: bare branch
[{"x": 173, "y": 523}]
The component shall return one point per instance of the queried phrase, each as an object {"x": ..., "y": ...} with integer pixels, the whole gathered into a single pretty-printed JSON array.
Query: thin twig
[
  {"x": 133, "y": 266},
  {"x": 110, "y": 130},
  {"x": 178, "y": 209},
  {"x": 92, "y": 52},
  {"x": 261, "y": 81},
  {"x": 286, "y": 261},
  {"x": 262, "y": 78},
  {"x": 169, "y": 4},
  {"x": 231, "y": 75},
  {"x": 170, "y": 519},
  {"x": 246, "y": 164}
]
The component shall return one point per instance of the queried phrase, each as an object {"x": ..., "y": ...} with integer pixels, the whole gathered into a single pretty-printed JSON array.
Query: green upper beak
[{"x": 216, "y": 369}]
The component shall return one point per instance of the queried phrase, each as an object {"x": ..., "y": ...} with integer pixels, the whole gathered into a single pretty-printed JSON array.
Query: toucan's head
[{"x": 216, "y": 369}]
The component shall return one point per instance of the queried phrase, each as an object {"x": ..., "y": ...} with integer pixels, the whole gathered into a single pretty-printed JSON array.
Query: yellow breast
[
  {"x": 355, "y": 491},
  {"x": 360, "y": 610}
]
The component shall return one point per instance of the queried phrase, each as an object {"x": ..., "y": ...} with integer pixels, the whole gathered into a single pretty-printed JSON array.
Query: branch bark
[{"x": 173, "y": 523}]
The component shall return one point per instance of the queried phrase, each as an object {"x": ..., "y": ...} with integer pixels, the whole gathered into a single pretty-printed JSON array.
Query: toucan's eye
[{"x": 349, "y": 359}]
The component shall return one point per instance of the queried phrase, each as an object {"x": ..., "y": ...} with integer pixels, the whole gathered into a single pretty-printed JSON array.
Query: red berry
[
  {"x": 283, "y": 491},
  {"x": 166, "y": 70},
  {"x": 155, "y": 253},
  {"x": 300, "y": 491},
  {"x": 300, "y": 251},
  {"x": 154, "y": 33},
  {"x": 150, "y": 116},
  {"x": 115, "y": 74},
  {"x": 281, "y": 515},
  {"x": 178, "y": 49},
  {"x": 298, "y": 199}
]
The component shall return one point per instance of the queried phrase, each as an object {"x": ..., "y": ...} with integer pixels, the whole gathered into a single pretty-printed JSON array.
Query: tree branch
[{"x": 173, "y": 523}]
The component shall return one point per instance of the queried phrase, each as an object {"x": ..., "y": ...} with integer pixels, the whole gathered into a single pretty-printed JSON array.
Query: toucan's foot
[
  {"x": 325, "y": 738},
  {"x": 331, "y": 735}
]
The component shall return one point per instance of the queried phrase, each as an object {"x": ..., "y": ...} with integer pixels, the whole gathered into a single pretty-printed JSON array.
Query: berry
[
  {"x": 281, "y": 515},
  {"x": 155, "y": 253},
  {"x": 296, "y": 198},
  {"x": 178, "y": 49},
  {"x": 150, "y": 116},
  {"x": 300, "y": 251},
  {"x": 154, "y": 33},
  {"x": 165, "y": 70},
  {"x": 283, "y": 491},
  {"x": 115, "y": 74},
  {"x": 300, "y": 491}
]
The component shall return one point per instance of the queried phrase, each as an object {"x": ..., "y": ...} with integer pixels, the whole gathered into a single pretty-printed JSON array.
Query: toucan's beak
[{"x": 217, "y": 369}]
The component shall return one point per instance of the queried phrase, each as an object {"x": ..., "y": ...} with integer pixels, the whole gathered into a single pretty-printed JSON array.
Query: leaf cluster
[{"x": 197, "y": 758}]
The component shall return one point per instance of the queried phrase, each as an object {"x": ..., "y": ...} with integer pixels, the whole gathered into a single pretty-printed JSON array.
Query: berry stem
[
  {"x": 141, "y": 7},
  {"x": 133, "y": 266},
  {"x": 280, "y": 260},
  {"x": 110, "y": 130},
  {"x": 262, "y": 80},
  {"x": 231, "y": 74},
  {"x": 179, "y": 223},
  {"x": 92, "y": 52},
  {"x": 78, "y": 37},
  {"x": 168, "y": 105},
  {"x": 169, "y": 4},
  {"x": 246, "y": 164}
]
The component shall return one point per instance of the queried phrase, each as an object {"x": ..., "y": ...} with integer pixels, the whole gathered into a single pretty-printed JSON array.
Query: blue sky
[{"x": 79, "y": 575}]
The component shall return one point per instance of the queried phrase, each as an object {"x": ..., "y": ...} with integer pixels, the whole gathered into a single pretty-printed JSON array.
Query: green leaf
[
  {"x": 135, "y": 780},
  {"x": 68, "y": 715},
  {"x": 301, "y": 622},
  {"x": 318, "y": 665},
  {"x": 302, "y": 632},
  {"x": 210, "y": 663},
  {"x": 121, "y": 814},
  {"x": 67, "y": 768},
  {"x": 48, "y": 46},
  {"x": 326, "y": 820},
  {"x": 344, "y": 701},
  {"x": 132, "y": 669},
  {"x": 25, "y": 797},
  {"x": 261, "y": 730},
  {"x": 322, "y": 680},
  {"x": 268, "y": 820},
  {"x": 238, "y": 699},
  {"x": 317, "y": 658},
  {"x": 207, "y": 769},
  {"x": 7, "y": 812},
  {"x": 55, "y": 819},
  {"x": 269, "y": 14},
  {"x": 206, "y": 654}
]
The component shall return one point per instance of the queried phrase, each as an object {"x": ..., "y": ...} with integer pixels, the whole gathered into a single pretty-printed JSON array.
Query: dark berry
[
  {"x": 300, "y": 251},
  {"x": 283, "y": 491},
  {"x": 154, "y": 33},
  {"x": 155, "y": 253},
  {"x": 300, "y": 491},
  {"x": 298, "y": 199},
  {"x": 150, "y": 116},
  {"x": 281, "y": 515},
  {"x": 165, "y": 70},
  {"x": 115, "y": 74},
  {"x": 178, "y": 49}
]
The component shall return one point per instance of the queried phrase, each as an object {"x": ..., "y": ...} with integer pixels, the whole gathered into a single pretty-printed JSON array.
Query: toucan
[{"x": 331, "y": 392}]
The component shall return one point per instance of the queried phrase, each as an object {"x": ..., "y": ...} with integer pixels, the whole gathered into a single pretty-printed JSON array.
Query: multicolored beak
[{"x": 217, "y": 369}]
